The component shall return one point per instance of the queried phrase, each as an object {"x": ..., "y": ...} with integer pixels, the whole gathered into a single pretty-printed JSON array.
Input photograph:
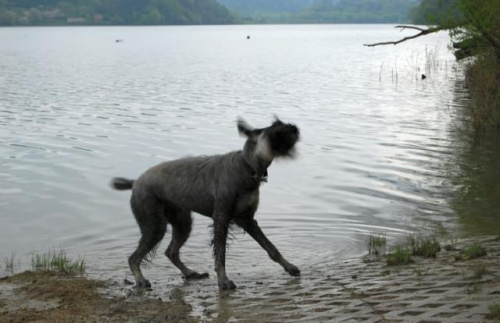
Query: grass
[
  {"x": 57, "y": 261},
  {"x": 474, "y": 287},
  {"x": 478, "y": 271},
  {"x": 431, "y": 59},
  {"x": 494, "y": 311},
  {"x": 475, "y": 272},
  {"x": 9, "y": 263},
  {"x": 419, "y": 271},
  {"x": 482, "y": 80},
  {"x": 451, "y": 245},
  {"x": 473, "y": 251},
  {"x": 399, "y": 256},
  {"x": 376, "y": 244},
  {"x": 427, "y": 247}
]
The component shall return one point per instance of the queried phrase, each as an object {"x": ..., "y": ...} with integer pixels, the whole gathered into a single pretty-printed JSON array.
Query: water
[{"x": 378, "y": 150}]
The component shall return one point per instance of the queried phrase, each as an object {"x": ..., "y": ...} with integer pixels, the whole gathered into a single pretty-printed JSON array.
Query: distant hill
[
  {"x": 323, "y": 11},
  {"x": 113, "y": 12},
  {"x": 252, "y": 7},
  {"x": 202, "y": 12}
]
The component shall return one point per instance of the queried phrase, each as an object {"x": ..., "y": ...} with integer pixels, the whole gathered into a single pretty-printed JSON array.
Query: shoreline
[{"x": 442, "y": 289}]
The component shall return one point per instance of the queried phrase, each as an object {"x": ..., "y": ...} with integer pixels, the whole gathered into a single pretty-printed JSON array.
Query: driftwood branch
[{"x": 422, "y": 32}]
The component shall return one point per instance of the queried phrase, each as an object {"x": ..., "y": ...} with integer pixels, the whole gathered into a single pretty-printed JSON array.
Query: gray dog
[{"x": 223, "y": 187}]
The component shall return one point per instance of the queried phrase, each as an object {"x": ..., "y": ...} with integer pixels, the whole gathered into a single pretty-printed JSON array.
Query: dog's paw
[
  {"x": 194, "y": 275},
  {"x": 293, "y": 271},
  {"x": 227, "y": 285},
  {"x": 143, "y": 283}
]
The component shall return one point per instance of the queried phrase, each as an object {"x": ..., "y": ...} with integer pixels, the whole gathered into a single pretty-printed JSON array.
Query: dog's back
[{"x": 193, "y": 183}]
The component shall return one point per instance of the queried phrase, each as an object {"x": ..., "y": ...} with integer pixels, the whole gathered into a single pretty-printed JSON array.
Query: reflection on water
[
  {"x": 477, "y": 199},
  {"x": 77, "y": 108}
]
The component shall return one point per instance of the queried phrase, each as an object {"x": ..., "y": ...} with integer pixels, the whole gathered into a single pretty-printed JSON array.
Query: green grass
[
  {"x": 57, "y": 261},
  {"x": 399, "y": 256},
  {"x": 473, "y": 251},
  {"x": 376, "y": 244},
  {"x": 427, "y": 247},
  {"x": 494, "y": 311}
]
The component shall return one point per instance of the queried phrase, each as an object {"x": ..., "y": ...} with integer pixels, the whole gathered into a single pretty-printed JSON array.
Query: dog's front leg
[
  {"x": 219, "y": 245},
  {"x": 255, "y": 232}
]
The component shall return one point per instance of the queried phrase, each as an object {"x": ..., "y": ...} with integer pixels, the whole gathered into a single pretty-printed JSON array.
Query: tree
[{"x": 474, "y": 26}]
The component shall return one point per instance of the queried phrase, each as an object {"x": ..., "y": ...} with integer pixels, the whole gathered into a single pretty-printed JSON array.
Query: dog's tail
[{"x": 122, "y": 184}]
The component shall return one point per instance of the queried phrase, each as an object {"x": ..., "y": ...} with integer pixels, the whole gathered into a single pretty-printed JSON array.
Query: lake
[{"x": 380, "y": 150}]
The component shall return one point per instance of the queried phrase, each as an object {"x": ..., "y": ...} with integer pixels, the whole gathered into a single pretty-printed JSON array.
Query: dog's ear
[
  {"x": 244, "y": 128},
  {"x": 277, "y": 120}
]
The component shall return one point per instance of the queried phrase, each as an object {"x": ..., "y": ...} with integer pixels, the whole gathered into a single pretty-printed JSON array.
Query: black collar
[
  {"x": 261, "y": 178},
  {"x": 258, "y": 177}
]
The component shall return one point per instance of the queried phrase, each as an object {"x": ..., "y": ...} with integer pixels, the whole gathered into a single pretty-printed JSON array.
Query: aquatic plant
[
  {"x": 423, "y": 246},
  {"x": 399, "y": 256},
  {"x": 9, "y": 263},
  {"x": 451, "y": 245},
  {"x": 57, "y": 261},
  {"x": 494, "y": 311},
  {"x": 473, "y": 251},
  {"x": 376, "y": 244},
  {"x": 419, "y": 271},
  {"x": 478, "y": 271}
]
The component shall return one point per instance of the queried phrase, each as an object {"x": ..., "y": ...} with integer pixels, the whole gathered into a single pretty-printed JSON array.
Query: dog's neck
[{"x": 257, "y": 165}]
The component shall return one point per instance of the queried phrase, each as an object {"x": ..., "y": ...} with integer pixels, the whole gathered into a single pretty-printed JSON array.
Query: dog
[{"x": 222, "y": 187}]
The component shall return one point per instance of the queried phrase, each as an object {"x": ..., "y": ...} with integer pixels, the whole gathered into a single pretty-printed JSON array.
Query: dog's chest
[{"x": 247, "y": 202}]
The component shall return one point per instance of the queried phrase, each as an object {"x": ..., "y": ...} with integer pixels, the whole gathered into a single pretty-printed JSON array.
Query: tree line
[
  {"x": 175, "y": 12},
  {"x": 322, "y": 11},
  {"x": 113, "y": 12}
]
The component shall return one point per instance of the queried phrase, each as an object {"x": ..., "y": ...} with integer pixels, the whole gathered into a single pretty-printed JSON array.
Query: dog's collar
[
  {"x": 259, "y": 179},
  {"x": 255, "y": 175}
]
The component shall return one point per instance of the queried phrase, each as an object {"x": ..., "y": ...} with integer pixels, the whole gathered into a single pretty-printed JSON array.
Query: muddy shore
[
  {"x": 44, "y": 296},
  {"x": 448, "y": 288}
]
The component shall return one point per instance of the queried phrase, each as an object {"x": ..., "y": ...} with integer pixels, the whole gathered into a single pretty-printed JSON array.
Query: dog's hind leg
[
  {"x": 256, "y": 233},
  {"x": 153, "y": 225},
  {"x": 181, "y": 222}
]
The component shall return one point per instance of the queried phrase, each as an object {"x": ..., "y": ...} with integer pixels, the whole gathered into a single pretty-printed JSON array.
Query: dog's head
[{"x": 277, "y": 140}]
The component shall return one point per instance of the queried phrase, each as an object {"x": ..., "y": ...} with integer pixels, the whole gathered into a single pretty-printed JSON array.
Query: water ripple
[{"x": 373, "y": 155}]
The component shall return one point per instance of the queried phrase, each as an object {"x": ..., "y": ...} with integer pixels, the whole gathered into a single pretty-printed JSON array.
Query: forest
[
  {"x": 346, "y": 11},
  {"x": 196, "y": 12},
  {"x": 113, "y": 12}
]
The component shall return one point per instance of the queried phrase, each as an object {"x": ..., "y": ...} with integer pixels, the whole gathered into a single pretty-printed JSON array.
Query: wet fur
[{"x": 223, "y": 187}]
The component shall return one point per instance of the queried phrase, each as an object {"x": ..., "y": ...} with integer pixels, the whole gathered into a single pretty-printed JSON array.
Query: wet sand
[
  {"x": 443, "y": 289},
  {"x": 54, "y": 297}
]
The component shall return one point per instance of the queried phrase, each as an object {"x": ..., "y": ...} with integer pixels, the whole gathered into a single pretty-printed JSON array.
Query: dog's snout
[{"x": 293, "y": 129}]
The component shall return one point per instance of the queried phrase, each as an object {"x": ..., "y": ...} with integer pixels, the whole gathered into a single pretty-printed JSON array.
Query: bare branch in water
[{"x": 422, "y": 32}]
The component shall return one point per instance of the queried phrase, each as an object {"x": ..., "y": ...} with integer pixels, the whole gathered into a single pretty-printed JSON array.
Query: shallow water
[{"x": 77, "y": 108}]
